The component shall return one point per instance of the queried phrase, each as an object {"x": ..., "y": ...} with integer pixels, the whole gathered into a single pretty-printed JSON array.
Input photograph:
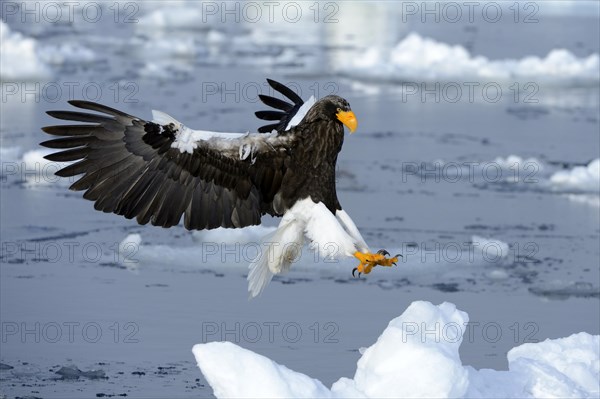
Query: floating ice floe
[
  {"x": 561, "y": 289},
  {"x": 37, "y": 170},
  {"x": 24, "y": 58},
  {"x": 9, "y": 154},
  {"x": 128, "y": 249},
  {"x": 491, "y": 249},
  {"x": 580, "y": 184},
  {"x": 66, "y": 53},
  {"x": 587, "y": 199},
  {"x": 20, "y": 59},
  {"x": 580, "y": 178},
  {"x": 233, "y": 250},
  {"x": 424, "y": 59},
  {"x": 176, "y": 16},
  {"x": 517, "y": 162},
  {"x": 31, "y": 167},
  {"x": 416, "y": 356},
  {"x": 167, "y": 70},
  {"x": 250, "y": 234},
  {"x": 218, "y": 43}
]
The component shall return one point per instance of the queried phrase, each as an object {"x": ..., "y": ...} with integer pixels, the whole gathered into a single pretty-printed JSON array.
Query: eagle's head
[{"x": 333, "y": 108}]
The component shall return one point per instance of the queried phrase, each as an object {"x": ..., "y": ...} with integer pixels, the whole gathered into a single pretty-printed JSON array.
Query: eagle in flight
[{"x": 158, "y": 171}]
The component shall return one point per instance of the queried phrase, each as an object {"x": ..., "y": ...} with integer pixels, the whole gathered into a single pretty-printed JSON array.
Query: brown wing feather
[{"x": 129, "y": 168}]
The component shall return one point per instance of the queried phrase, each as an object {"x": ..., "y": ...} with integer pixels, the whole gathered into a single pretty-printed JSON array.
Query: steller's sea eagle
[{"x": 159, "y": 170}]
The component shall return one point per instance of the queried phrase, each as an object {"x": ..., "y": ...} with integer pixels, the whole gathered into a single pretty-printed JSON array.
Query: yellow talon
[
  {"x": 363, "y": 258},
  {"x": 368, "y": 261}
]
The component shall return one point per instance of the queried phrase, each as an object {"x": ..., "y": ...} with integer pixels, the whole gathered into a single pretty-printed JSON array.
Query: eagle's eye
[{"x": 339, "y": 110}]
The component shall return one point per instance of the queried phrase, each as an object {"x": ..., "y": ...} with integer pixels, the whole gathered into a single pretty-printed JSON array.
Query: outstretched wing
[
  {"x": 157, "y": 172},
  {"x": 289, "y": 114}
]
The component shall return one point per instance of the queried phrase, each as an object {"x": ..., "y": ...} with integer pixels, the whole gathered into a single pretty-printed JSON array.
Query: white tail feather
[
  {"x": 258, "y": 278},
  {"x": 281, "y": 248}
]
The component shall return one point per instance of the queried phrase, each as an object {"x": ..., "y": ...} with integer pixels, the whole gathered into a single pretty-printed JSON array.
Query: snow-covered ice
[
  {"x": 422, "y": 58},
  {"x": 9, "y": 154},
  {"x": 250, "y": 234},
  {"x": 31, "y": 166},
  {"x": 417, "y": 355},
  {"x": 517, "y": 162},
  {"x": 20, "y": 59},
  {"x": 587, "y": 199},
  {"x": 581, "y": 183},
  {"x": 491, "y": 249},
  {"x": 177, "y": 15},
  {"x": 25, "y": 58},
  {"x": 565, "y": 367},
  {"x": 580, "y": 178},
  {"x": 66, "y": 53}
]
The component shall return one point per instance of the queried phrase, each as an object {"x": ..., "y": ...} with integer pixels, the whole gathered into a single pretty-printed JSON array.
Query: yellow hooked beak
[{"x": 349, "y": 119}]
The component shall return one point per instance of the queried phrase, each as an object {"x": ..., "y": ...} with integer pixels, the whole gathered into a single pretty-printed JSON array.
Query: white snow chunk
[
  {"x": 23, "y": 58},
  {"x": 516, "y": 162},
  {"x": 394, "y": 367},
  {"x": 20, "y": 59},
  {"x": 221, "y": 235},
  {"x": 31, "y": 167},
  {"x": 174, "y": 17},
  {"x": 131, "y": 239},
  {"x": 417, "y": 57},
  {"x": 9, "y": 154},
  {"x": 416, "y": 356},
  {"x": 498, "y": 274},
  {"x": 234, "y": 372},
  {"x": 66, "y": 53},
  {"x": 580, "y": 184},
  {"x": 587, "y": 199},
  {"x": 580, "y": 178},
  {"x": 128, "y": 252},
  {"x": 560, "y": 368},
  {"x": 492, "y": 249},
  {"x": 38, "y": 171},
  {"x": 182, "y": 47}
]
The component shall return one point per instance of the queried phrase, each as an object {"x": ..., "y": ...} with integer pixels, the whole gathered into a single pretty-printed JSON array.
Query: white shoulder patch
[
  {"x": 163, "y": 119},
  {"x": 301, "y": 113},
  {"x": 186, "y": 139}
]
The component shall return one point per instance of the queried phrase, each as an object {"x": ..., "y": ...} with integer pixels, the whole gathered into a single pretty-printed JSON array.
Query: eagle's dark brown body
[{"x": 311, "y": 165}]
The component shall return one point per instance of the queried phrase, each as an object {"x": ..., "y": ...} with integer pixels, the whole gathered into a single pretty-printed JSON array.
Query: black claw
[
  {"x": 394, "y": 263},
  {"x": 354, "y": 270},
  {"x": 383, "y": 252},
  {"x": 400, "y": 255}
]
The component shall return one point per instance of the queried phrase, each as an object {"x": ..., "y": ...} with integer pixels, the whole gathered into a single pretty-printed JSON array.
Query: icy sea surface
[{"x": 493, "y": 199}]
